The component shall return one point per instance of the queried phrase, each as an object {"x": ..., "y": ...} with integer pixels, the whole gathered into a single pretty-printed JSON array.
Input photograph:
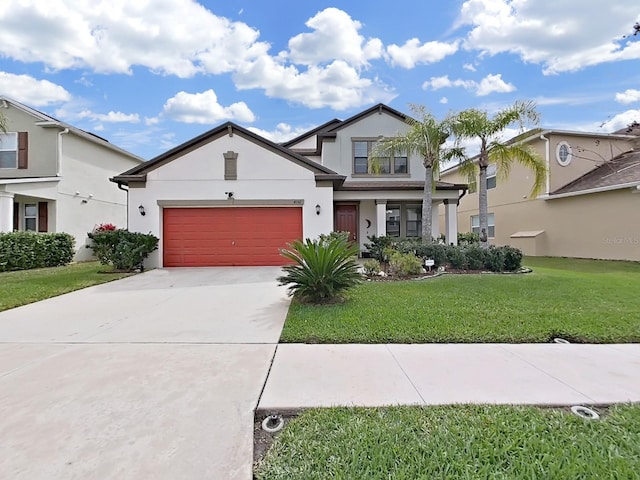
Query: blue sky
[{"x": 149, "y": 75}]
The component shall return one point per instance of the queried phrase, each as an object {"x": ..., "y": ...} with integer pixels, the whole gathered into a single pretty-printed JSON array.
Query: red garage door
[{"x": 208, "y": 237}]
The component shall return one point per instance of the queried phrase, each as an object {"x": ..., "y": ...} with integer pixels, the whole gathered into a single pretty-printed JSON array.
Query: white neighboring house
[
  {"x": 231, "y": 197},
  {"x": 55, "y": 177}
]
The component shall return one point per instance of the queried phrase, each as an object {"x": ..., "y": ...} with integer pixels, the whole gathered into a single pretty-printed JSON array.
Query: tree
[
  {"x": 474, "y": 123},
  {"x": 424, "y": 138},
  {"x": 3, "y": 123}
]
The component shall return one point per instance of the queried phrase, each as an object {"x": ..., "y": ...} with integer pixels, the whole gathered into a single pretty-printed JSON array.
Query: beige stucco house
[
  {"x": 590, "y": 207},
  {"x": 232, "y": 197},
  {"x": 55, "y": 177}
]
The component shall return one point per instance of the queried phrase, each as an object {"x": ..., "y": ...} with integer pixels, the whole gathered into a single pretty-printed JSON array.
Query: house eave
[{"x": 608, "y": 188}]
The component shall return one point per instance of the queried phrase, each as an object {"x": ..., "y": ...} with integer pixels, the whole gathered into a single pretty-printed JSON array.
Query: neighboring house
[
  {"x": 590, "y": 207},
  {"x": 231, "y": 197},
  {"x": 55, "y": 177}
]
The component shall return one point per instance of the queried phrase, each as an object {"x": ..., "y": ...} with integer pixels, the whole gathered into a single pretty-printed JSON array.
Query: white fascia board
[
  {"x": 591, "y": 190},
  {"x": 9, "y": 181}
]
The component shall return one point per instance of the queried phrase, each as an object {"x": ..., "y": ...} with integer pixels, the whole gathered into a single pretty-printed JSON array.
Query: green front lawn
[
  {"x": 455, "y": 442},
  {"x": 28, "y": 286},
  {"x": 581, "y": 300}
]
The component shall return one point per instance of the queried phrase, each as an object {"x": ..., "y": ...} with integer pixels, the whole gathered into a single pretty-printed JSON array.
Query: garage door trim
[{"x": 229, "y": 203}]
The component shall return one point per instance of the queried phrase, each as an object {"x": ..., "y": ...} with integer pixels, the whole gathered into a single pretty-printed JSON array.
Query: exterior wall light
[
  {"x": 318, "y": 209},
  {"x": 141, "y": 210}
]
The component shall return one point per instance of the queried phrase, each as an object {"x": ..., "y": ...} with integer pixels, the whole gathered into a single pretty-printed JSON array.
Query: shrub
[
  {"x": 468, "y": 238},
  {"x": 404, "y": 264},
  {"x": 377, "y": 246},
  {"x": 456, "y": 257},
  {"x": 26, "y": 250},
  {"x": 324, "y": 238},
  {"x": 321, "y": 270},
  {"x": 122, "y": 249},
  {"x": 512, "y": 258},
  {"x": 371, "y": 267},
  {"x": 475, "y": 257},
  {"x": 435, "y": 251},
  {"x": 494, "y": 259}
]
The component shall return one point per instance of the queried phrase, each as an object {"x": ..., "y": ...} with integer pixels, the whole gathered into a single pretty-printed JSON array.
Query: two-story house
[
  {"x": 55, "y": 177},
  {"x": 231, "y": 197},
  {"x": 590, "y": 206}
]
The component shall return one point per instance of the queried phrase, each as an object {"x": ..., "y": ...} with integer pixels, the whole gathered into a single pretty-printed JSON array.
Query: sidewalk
[{"x": 430, "y": 374}]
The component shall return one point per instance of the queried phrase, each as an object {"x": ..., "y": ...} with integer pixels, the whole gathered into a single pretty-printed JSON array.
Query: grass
[
  {"x": 28, "y": 286},
  {"x": 581, "y": 300},
  {"x": 455, "y": 442}
]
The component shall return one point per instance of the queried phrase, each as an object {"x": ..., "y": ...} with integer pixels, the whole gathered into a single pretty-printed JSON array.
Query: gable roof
[
  {"x": 139, "y": 172},
  {"x": 322, "y": 128},
  {"x": 49, "y": 122},
  {"x": 379, "y": 108},
  {"x": 621, "y": 172}
]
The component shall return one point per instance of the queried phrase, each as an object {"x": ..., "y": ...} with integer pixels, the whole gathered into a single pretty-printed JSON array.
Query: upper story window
[
  {"x": 563, "y": 154},
  {"x": 13, "y": 150},
  {"x": 383, "y": 165},
  {"x": 491, "y": 176},
  {"x": 491, "y": 224},
  {"x": 8, "y": 150}
]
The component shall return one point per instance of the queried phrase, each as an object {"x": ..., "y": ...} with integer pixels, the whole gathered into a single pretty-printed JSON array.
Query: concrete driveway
[{"x": 153, "y": 376}]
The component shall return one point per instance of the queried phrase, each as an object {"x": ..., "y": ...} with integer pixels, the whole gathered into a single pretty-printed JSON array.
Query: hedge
[
  {"x": 27, "y": 250},
  {"x": 122, "y": 249}
]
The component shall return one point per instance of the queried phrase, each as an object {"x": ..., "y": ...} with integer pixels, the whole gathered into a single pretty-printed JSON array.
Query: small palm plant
[{"x": 322, "y": 269}]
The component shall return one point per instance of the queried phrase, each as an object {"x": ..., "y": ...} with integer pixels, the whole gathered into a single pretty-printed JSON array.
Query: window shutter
[
  {"x": 230, "y": 165},
  {"x": 16, "y": 216},
  {"x": 23, "y": 150},
  {"x": 43, "y": 216}
]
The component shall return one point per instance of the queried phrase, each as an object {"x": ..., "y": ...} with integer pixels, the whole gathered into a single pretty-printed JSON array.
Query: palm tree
[
  {"x": 3, "y": 123},
  {"x": 474, "y": 123},
  {"x": 424, "y": 138}
]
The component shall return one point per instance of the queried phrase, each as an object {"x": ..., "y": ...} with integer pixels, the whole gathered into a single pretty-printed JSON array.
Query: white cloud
[
  {"x": 493, "y": 83},
  {"x": 622, "y": 120},
  {"x": 111, "y": 117},
  {"x": 30, "y": 91},
  {"x": 470, "y": 67},
  {"x": 111, "y": 37},
  {"x": 628, "y": 96},
  {"x": 335, "y": 37},
  {"x": 338, "y": 85},
  {"x": 562, "y": 36},
  {"x": 489, "y": 84},
  {"x": 281, "y": 133},
  {"x": 204, "y": 108},
  {"x": 444, "y": 100},
  {"x": 412, "y": 53}
]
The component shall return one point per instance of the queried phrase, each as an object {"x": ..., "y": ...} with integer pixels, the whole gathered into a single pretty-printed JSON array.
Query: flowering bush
[
  {"x": 123, "y": 249},
  {"x": 104, "y": 227}
]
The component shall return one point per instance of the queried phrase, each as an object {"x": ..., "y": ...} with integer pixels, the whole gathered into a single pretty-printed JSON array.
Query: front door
[{"x": 346, "y": 220}]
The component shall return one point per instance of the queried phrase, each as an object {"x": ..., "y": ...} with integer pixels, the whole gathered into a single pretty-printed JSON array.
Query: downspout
[
  {"x": 546, "y": 153},
  {"x": 59, "y": 156},
  {"x": 464, "y": 192},
  {"x": 125, "y": 190}
]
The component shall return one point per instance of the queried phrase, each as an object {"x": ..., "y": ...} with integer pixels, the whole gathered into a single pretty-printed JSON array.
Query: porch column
[
  {"x": 381, "y": 218},
  {"x": 451, "y": 221},
  {"x": 435, "y": 220},
  {"x": 6, "y": 212}
]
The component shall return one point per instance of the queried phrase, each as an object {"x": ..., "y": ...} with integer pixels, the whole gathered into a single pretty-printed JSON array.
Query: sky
[{"x": 151, "y": 74}]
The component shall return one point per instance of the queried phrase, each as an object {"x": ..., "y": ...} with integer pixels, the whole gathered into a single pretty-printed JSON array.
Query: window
[
  {"x": 381, "y": 166},
  {"x": 414, "y": 220},
  {"x": 491, "y": 176},
  {"x": 393, "y": 221},
  {"x": 563, "y": 154},
  {"x": 8, "y": 150},
  {"x": 491, "y": 223},
  {"x": 30, "y": 217}
]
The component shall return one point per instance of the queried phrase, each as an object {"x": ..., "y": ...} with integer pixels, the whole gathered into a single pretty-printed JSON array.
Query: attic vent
[{"x": 230, "y": 165}]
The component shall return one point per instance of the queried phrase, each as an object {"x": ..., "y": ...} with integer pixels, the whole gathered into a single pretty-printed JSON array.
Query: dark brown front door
[{"x": 346, "y": 220}]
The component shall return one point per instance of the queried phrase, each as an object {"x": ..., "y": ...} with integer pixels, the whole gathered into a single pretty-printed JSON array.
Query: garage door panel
[{"x": 228, "y": 236}]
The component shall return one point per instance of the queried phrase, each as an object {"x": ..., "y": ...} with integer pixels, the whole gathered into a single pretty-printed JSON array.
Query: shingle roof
[
  {"x": 621, "y": 170},
  {"x": 397, "y": 185}
]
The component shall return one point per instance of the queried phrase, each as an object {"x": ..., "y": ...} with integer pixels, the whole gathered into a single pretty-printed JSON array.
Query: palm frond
[{"x": 505, "y": 155}]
